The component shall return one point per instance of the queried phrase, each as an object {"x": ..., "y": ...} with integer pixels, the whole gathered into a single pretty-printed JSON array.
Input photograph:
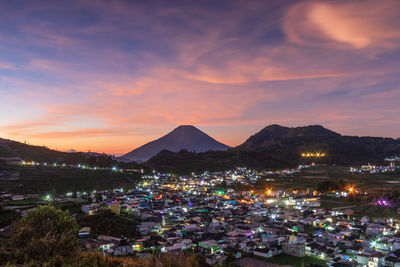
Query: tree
[{"x": 45, "y": 235}]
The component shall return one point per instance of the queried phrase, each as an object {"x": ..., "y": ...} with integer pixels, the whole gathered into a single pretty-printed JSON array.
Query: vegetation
[
  {"x": 48, "y": 237},
  {"x": 7, "y": 217},
  {"x": 97, "y": 259},
  {"x": 285, "y": 259},
  {"x": 185, "y": 162},
  {"x": 45, "y": 236},
  {"x": 45, "y": 179},
  {"x": 28, "y": 152},
  {"x": 273, "y": 147},
  {"x": 107, "y": 223},
  {"x": 276, "y": 146}
]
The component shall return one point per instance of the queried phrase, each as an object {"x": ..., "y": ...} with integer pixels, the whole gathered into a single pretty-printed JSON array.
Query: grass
[
  {"x": 376, "y": 212},
  {"x": 40, "y": 180},
  {"x": 21, "y": 202},
  {"x": 285, "y": 259},
  {"x": 329, "y": 203},
  {"x": 361, "y": 208},
  {"x": 310, "y": 178}
]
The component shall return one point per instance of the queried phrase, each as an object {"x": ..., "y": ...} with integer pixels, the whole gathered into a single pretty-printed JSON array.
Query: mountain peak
[
  {"x": 186, "y": 128},
  {"x": 186, "y": 137},
  {"x": 274, "y": 126},
  {"x": 277, "y": 127},
  {"x": 310, "y": 129},
  {"x": 276, "y": 134}
]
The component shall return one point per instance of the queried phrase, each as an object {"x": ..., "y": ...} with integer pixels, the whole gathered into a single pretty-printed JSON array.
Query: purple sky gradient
[{"x": 111, "y": 75}]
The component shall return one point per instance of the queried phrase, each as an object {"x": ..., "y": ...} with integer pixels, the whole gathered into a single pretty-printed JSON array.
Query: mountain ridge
[
  {"x": 272, "y": 147},
  {"x": 277, "y": 146},
  {"x": 183, "y": 137}
]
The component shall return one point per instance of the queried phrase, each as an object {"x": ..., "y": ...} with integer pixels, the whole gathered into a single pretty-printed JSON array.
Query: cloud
[
  {"x": 7, "y": 66},
  {"x": 344, "y": 24},
  {"x": 112, "y": 76}
]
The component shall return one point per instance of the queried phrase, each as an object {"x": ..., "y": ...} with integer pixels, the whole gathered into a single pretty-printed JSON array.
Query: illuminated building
[
  {"x": 313, "y": 155},
  {"x": 293, "y": 247}
]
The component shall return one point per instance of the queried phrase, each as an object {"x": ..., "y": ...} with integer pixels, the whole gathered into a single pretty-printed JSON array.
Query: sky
[{"x": 109, "y": 76}]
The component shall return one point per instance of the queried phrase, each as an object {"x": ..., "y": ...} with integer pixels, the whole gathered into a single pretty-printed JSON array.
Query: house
[
  {"x": 90, "y": 209},
  {"x": 174, "y": 248},
  {"x": 392, "y": 260},
  {"x": 146, "y": 227},
  {"x": 293, "y": 247},
  {"x": 84, "y": 232},
  {"x": 362, "y": 259},
  {"x": 123, "y": 248},
  {"x": 374, "y": 229},
  {"x": 265, "y": 252},
  {"x": 210, "y": 244},
  {"x": 376, "y": 260}
]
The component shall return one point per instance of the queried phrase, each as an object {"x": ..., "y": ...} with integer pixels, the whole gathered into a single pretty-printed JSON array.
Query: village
[{"x": 223, "y": 225}]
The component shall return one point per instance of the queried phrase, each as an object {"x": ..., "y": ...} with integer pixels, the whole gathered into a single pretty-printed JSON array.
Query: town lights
[
  {"x": 313, "y": 154},
  {"x": 383, "y": 203},
  {"x": 268, "y": 191},
  {"x": 350, "y": 189}
]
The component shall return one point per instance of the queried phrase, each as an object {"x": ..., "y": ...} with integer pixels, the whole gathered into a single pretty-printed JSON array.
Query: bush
[
  {"x": 96, "y": 259},
  {"x": 46, "y": 235}
]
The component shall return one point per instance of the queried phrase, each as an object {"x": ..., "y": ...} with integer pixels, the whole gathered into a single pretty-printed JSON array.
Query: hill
[
  {"x": 289, "y": 143},
  {"x": 273, "y": 147},
  {"x": 184, "y": 137},
  {"x": 185, "y": 162},
  {"x": 26, "y": 152},
  {"x": 276, "y": 146}
]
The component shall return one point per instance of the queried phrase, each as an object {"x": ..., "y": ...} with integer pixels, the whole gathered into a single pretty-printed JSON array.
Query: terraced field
[{"x": 40, "y": 179}]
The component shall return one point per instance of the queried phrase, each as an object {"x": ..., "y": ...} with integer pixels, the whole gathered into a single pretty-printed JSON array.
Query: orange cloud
[{"x": 134, "y": 72}]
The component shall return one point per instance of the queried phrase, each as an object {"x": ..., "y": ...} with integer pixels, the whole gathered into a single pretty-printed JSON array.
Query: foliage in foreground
[
  {"x": 96, "y": 259},
  {"x": 47, "y": 236}
]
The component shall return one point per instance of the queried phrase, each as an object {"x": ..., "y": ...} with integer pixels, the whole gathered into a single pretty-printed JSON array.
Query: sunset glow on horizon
[{"x": 109, "y": 76}]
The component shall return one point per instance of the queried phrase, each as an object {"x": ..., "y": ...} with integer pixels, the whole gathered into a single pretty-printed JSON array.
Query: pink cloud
[
  {"x": 210, "y": 74},
  {"x": 361, "y": 24},
  {"x": 7, "y": 66}
]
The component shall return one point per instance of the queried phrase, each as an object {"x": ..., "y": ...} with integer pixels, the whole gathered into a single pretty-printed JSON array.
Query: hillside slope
[
  {"x": 276, "y": 146},
  {"x": 185, "y": 137},
  {"x": 9, "y": 148}
]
